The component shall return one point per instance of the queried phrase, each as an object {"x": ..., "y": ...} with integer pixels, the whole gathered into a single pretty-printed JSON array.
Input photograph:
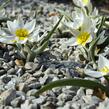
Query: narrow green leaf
[
  {"x": 73, "y": 82},
  {"x": 51, "y": 32},
  {"x": 68, "y": 17},
  {"x": 92, "y": 49},
  {"x": 4, "y": 4},
  {"x": 30, "y": 57},
  {"x": 41, "y": 48},
  {"x": 100, "y": 26}
]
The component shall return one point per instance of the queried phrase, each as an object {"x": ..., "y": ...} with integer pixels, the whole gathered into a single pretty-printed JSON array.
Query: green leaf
[
  {"x": 100, "y": 26},
  {"x": 41, "y": 48},
  {"x": 4, "y": 4},
  {"x": 92, "y": 49},
  {"x": 51, "y": 32},
  {"x": 68, "y": 17},
  {"x": 73, "y": 82}
]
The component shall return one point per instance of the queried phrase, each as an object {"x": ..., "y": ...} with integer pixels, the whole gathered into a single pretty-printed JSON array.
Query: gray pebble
[
  {"x": 16, "y": 102},
  {"x": 31, "y": 92},
  {"x": 48, "y": 105},
  {"x": 2, "y": 72},
  {"x": 8, "y": 107},
  {"x": 6, "y": 79},
  {"x": 35, "y": 85},
  {"x": 11, "y": 63},
  {"x": 23, "y": 87},
  {"x": 38, "y": 74},
  {"x": 11, "y": 53},
  {"x": 7, "y": 96},
  {"x": 11, "y": 71},
  {"x": 32, "y": 66},
  {"x": 21, "y": 94},
  {"x": 20, "y": 71},
  {"x": 39, "y": 100},
  {"x": 49, "y": 71},
  {"x": 10, "y": 47},
  {"x": 6, "y": 56},
  {"x": 45, "y": 79},
  {"x": 1, "y": 53}
]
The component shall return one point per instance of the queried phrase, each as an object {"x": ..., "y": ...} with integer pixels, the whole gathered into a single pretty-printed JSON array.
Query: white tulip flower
[
  {"x": 82, "y": 36},
  {"x": 84, "y": 3},
  {"x": 81, "y": 3},
  {"x": 20, "y": 32},
  {"x": 77, "y": 19},
  {"x": 103, "y": 68}
]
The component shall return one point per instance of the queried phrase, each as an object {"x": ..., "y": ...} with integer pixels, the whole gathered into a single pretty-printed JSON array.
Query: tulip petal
[
  {"x": 94, "y": 74},
  {"x": 102, "y": 62},
  {"x": 30, "y": 26}
]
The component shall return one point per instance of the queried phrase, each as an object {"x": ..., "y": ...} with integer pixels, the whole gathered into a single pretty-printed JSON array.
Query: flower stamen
[
  {"x": 104, "y": 70},
  {"x": 83, "y": 38},
  {"x": 85, "y": 2},
  {"x": 22, "y": 33}
]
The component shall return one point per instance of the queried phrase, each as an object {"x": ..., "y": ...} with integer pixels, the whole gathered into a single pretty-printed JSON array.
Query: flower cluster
[
  {"x": 88, "y": 34},
  {"x": 87, "y": 28},
  {"x": 25, "y": 37}
]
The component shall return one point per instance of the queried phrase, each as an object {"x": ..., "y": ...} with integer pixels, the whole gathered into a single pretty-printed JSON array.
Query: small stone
[
  {"x": 11, "y": 71},
  {"x": 11, "y": 53},
  {"x": 11, "y": 63},
  {"x": 31, "y": 92},
  {"x": 6, "y": 56},
  {"x": 32, "y": 66},
  {"x": 16, "y": 102},
  {"x": 44, "y": 79},
  {"x": 29, "y": 105},
  {"x": 6, "y": 79},
  {"x": 2, "y": 72},
  {"x": 30, "y": 80},
  {"x": 21, "y": 94},
  {"x": 64, "y": 97},
  {"x": 1, "y": 53},
  {"x": 8, "y": 107},
  {"x": 23, "y": 87},
  {"x": 89, "y": 91},
  {"x": 43, "y": 68},
  {"x": 20, "y": 71},
  {"x": 26, "y": 76},
  {"x": 10, "y": 47},
  {"x": 49, "y": 71},
  {"x": 36, "y": 85},
  {"x": 19, "y": 62},
  {"x": 80, "y": 92},
  {"x": 8, "y": 96},
  {"x": 60, "y": 103},
  {"x": 38, "y": 74},
  {"x": 39, "y": 100},
  {"x": 66, "y": 106},
  {"x": 48, "y": 105}
]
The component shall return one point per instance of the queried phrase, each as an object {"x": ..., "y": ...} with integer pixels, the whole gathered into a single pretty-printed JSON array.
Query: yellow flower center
[
  {"x": 83, "y": 38},
  {"x": 22, "y": 33},
  {"x": 104, "y": 70},
  {"x": 85, "y": 2}
]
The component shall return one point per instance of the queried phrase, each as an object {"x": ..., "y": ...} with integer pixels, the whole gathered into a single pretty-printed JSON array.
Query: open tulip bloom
[
  {"x": 20, "y": 32},
  {"x": 84, "y": 3},
  {"x": 82, "y": 36},
  {"x": 81, "y": 3},
  {"x": 103, "y": 68}
]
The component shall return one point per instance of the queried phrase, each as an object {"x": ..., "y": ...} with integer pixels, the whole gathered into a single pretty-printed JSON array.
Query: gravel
[{"x": 20, "y": 80}]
